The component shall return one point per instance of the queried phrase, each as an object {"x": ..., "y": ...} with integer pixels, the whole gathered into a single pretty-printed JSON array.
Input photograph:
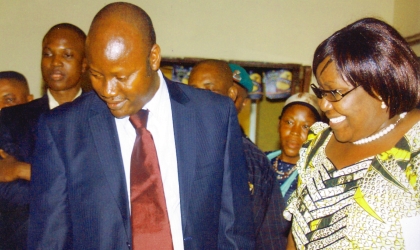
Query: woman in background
[
  {"x": 300, "y": 111},
  {"x": 358, "y": 177}
]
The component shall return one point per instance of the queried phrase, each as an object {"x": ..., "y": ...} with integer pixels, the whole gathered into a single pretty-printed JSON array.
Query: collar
[
  {"x": 52, "y": 102},
  {"x": 154, "y": 104}
]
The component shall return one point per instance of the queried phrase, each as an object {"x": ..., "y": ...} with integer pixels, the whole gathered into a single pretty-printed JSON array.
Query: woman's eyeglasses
[{"x": 330, "y": 95}]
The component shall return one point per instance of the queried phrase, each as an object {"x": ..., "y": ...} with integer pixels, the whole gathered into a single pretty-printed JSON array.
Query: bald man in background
[
  {"x": 233, "y": 81},
  {"x": 82, "y": 172}
]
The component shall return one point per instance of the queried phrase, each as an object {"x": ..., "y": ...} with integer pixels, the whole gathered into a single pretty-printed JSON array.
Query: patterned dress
[{"x": 360, "y": 206}]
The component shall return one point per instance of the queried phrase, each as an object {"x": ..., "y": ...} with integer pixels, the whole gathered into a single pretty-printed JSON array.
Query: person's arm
[
  {"x": 49, "y": 218},
  {"x": 275, "y": 228},
  {"x": 235, "y": 222},
  {"x": 15, "y": 193},
  {"x": 290, "y": 242},
  {"x": 11, "y": 169}
]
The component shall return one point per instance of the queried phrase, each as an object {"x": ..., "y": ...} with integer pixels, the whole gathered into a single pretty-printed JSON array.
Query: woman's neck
[{"x": 288, "y": 159}]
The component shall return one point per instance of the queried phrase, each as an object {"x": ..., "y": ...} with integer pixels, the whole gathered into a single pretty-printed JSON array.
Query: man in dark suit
[
  {"x": 267, "y": 202},
  {"x": 62, "y": 65},
  {"x": 81, "y": 171}
]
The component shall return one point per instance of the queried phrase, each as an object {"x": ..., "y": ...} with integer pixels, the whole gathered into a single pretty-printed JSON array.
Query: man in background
[
  {"x": 233, "y": 81},
  {"x": 14, "y": 89},
  {"x": 62, "y": 65}
]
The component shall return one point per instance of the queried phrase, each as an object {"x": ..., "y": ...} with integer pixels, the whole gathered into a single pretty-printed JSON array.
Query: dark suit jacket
[
  {"x": 17, "y": 127},
  {"x": 79, "y": 193},
  {"x": 17, "y": 137}
]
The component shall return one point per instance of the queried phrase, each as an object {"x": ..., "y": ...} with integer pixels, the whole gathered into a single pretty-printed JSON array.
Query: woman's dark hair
[{"x": 372, "y": 54}]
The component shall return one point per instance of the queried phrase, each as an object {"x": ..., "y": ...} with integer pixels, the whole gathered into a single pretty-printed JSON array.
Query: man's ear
[
  {"x": 233, "y": 93},
  {"x": 84, "y": 65},
  {"x": 155, "y": 57},
  {"x": 30, "y": 98}
]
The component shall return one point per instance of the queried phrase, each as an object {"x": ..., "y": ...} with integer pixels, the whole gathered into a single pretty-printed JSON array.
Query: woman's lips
[
  {"x": 293, "y": 144},
  {"x": 337, "y": 119}
]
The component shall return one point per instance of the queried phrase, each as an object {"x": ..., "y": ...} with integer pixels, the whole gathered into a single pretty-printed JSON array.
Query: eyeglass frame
[{"x": 320, "y": 93}]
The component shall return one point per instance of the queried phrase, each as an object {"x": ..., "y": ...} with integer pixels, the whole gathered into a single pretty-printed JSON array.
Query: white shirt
[
  {"x": 53, "y": 103},
  {"x": 161, "y": 127}
]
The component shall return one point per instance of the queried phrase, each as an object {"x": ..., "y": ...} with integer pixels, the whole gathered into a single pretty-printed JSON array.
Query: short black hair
[
  {"x": 68, "y": 26},
  {"x": 371, "y": 53},
  {"x": 17, "y": 77}
]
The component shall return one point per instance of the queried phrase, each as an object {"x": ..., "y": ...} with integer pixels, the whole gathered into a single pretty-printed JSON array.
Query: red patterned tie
[{"x": 149, "y": 216}]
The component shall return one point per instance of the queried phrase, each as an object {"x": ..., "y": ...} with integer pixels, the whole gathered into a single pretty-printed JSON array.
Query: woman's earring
[{"x": 383, "y": 105}]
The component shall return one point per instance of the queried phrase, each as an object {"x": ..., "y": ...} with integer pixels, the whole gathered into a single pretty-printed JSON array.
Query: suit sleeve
[
  {"x": 235, "y": 225},
  {"x": 16, "y": 192},
  {"x": 6, "y": 138},
  {"x": 49, "y": 219},
  {"x": 275, "y": 228}
]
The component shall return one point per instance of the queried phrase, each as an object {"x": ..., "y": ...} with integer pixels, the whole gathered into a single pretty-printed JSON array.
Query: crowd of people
[{"x": 143, "y": 162}]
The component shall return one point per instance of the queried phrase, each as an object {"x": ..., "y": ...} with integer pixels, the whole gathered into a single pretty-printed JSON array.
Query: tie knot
[{"x": 139, "y": 119}]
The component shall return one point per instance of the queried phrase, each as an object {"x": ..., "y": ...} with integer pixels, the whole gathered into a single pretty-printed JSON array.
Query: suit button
[{"x": 128, "y": 245}]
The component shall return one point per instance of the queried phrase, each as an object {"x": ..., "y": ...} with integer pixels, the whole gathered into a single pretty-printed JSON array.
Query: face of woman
[
  {"x": 355, "y": 116},
  {"x": 293, "y": 129}
]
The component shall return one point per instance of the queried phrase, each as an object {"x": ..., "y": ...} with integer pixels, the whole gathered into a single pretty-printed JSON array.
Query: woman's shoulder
[
  {"x": 316, "y": 129},
  {"x": 413, "y": 136},
  {"x": 272, "y": 154},
  {"x": 412, "y": 131}
]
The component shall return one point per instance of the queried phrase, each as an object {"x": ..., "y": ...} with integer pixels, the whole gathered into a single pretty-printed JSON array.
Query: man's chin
[{"x": 118, "y": 113}]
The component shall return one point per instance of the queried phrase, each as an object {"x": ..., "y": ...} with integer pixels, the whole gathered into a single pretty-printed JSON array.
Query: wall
[
  {"x": 285, "y": 31},
  {"x": 258, "y": 30},
  {"x": 407, "y": 19}
]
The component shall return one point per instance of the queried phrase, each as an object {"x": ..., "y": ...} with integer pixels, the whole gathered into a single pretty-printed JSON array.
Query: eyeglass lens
[{"x": 329, "y": 95}]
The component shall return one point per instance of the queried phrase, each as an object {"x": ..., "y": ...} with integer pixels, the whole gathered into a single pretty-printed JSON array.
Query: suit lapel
[
  {"x": 103, "y": 128},
  {"x": 105, "y": 136},
  {"x": 44, "y": 104},
  {"x": 184, "y": 122}
]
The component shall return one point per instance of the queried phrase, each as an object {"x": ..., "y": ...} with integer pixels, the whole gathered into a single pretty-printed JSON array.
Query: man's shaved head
[
  {"x": 68, "y": 26},
  {"x": 123, "y": 58},
  {"x": 214, "y": 75},
  {"x": 127, "y": 13}
]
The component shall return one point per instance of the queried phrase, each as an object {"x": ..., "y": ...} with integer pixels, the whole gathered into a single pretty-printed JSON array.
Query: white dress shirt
[
  {"x": 52, "y": 103},
  {"x": 161, "y": 127}
]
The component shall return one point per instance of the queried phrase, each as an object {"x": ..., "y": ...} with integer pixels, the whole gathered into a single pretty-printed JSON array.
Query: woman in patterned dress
[
  {"x": 359, "y": 179},
  {"x": 300, "y": 111}
]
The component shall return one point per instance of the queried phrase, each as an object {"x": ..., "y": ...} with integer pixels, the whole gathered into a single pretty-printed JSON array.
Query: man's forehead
[
  {"x": 113, "y": 45},
  {"x": 115, "y": 48},
  {"x": 7, "y": 89},
  {"x": 67, "y": 36},
  {"x": 9, "y": 82}
]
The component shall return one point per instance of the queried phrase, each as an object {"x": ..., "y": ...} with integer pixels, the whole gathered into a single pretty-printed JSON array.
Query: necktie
[{"x": 149, "y": 216}]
